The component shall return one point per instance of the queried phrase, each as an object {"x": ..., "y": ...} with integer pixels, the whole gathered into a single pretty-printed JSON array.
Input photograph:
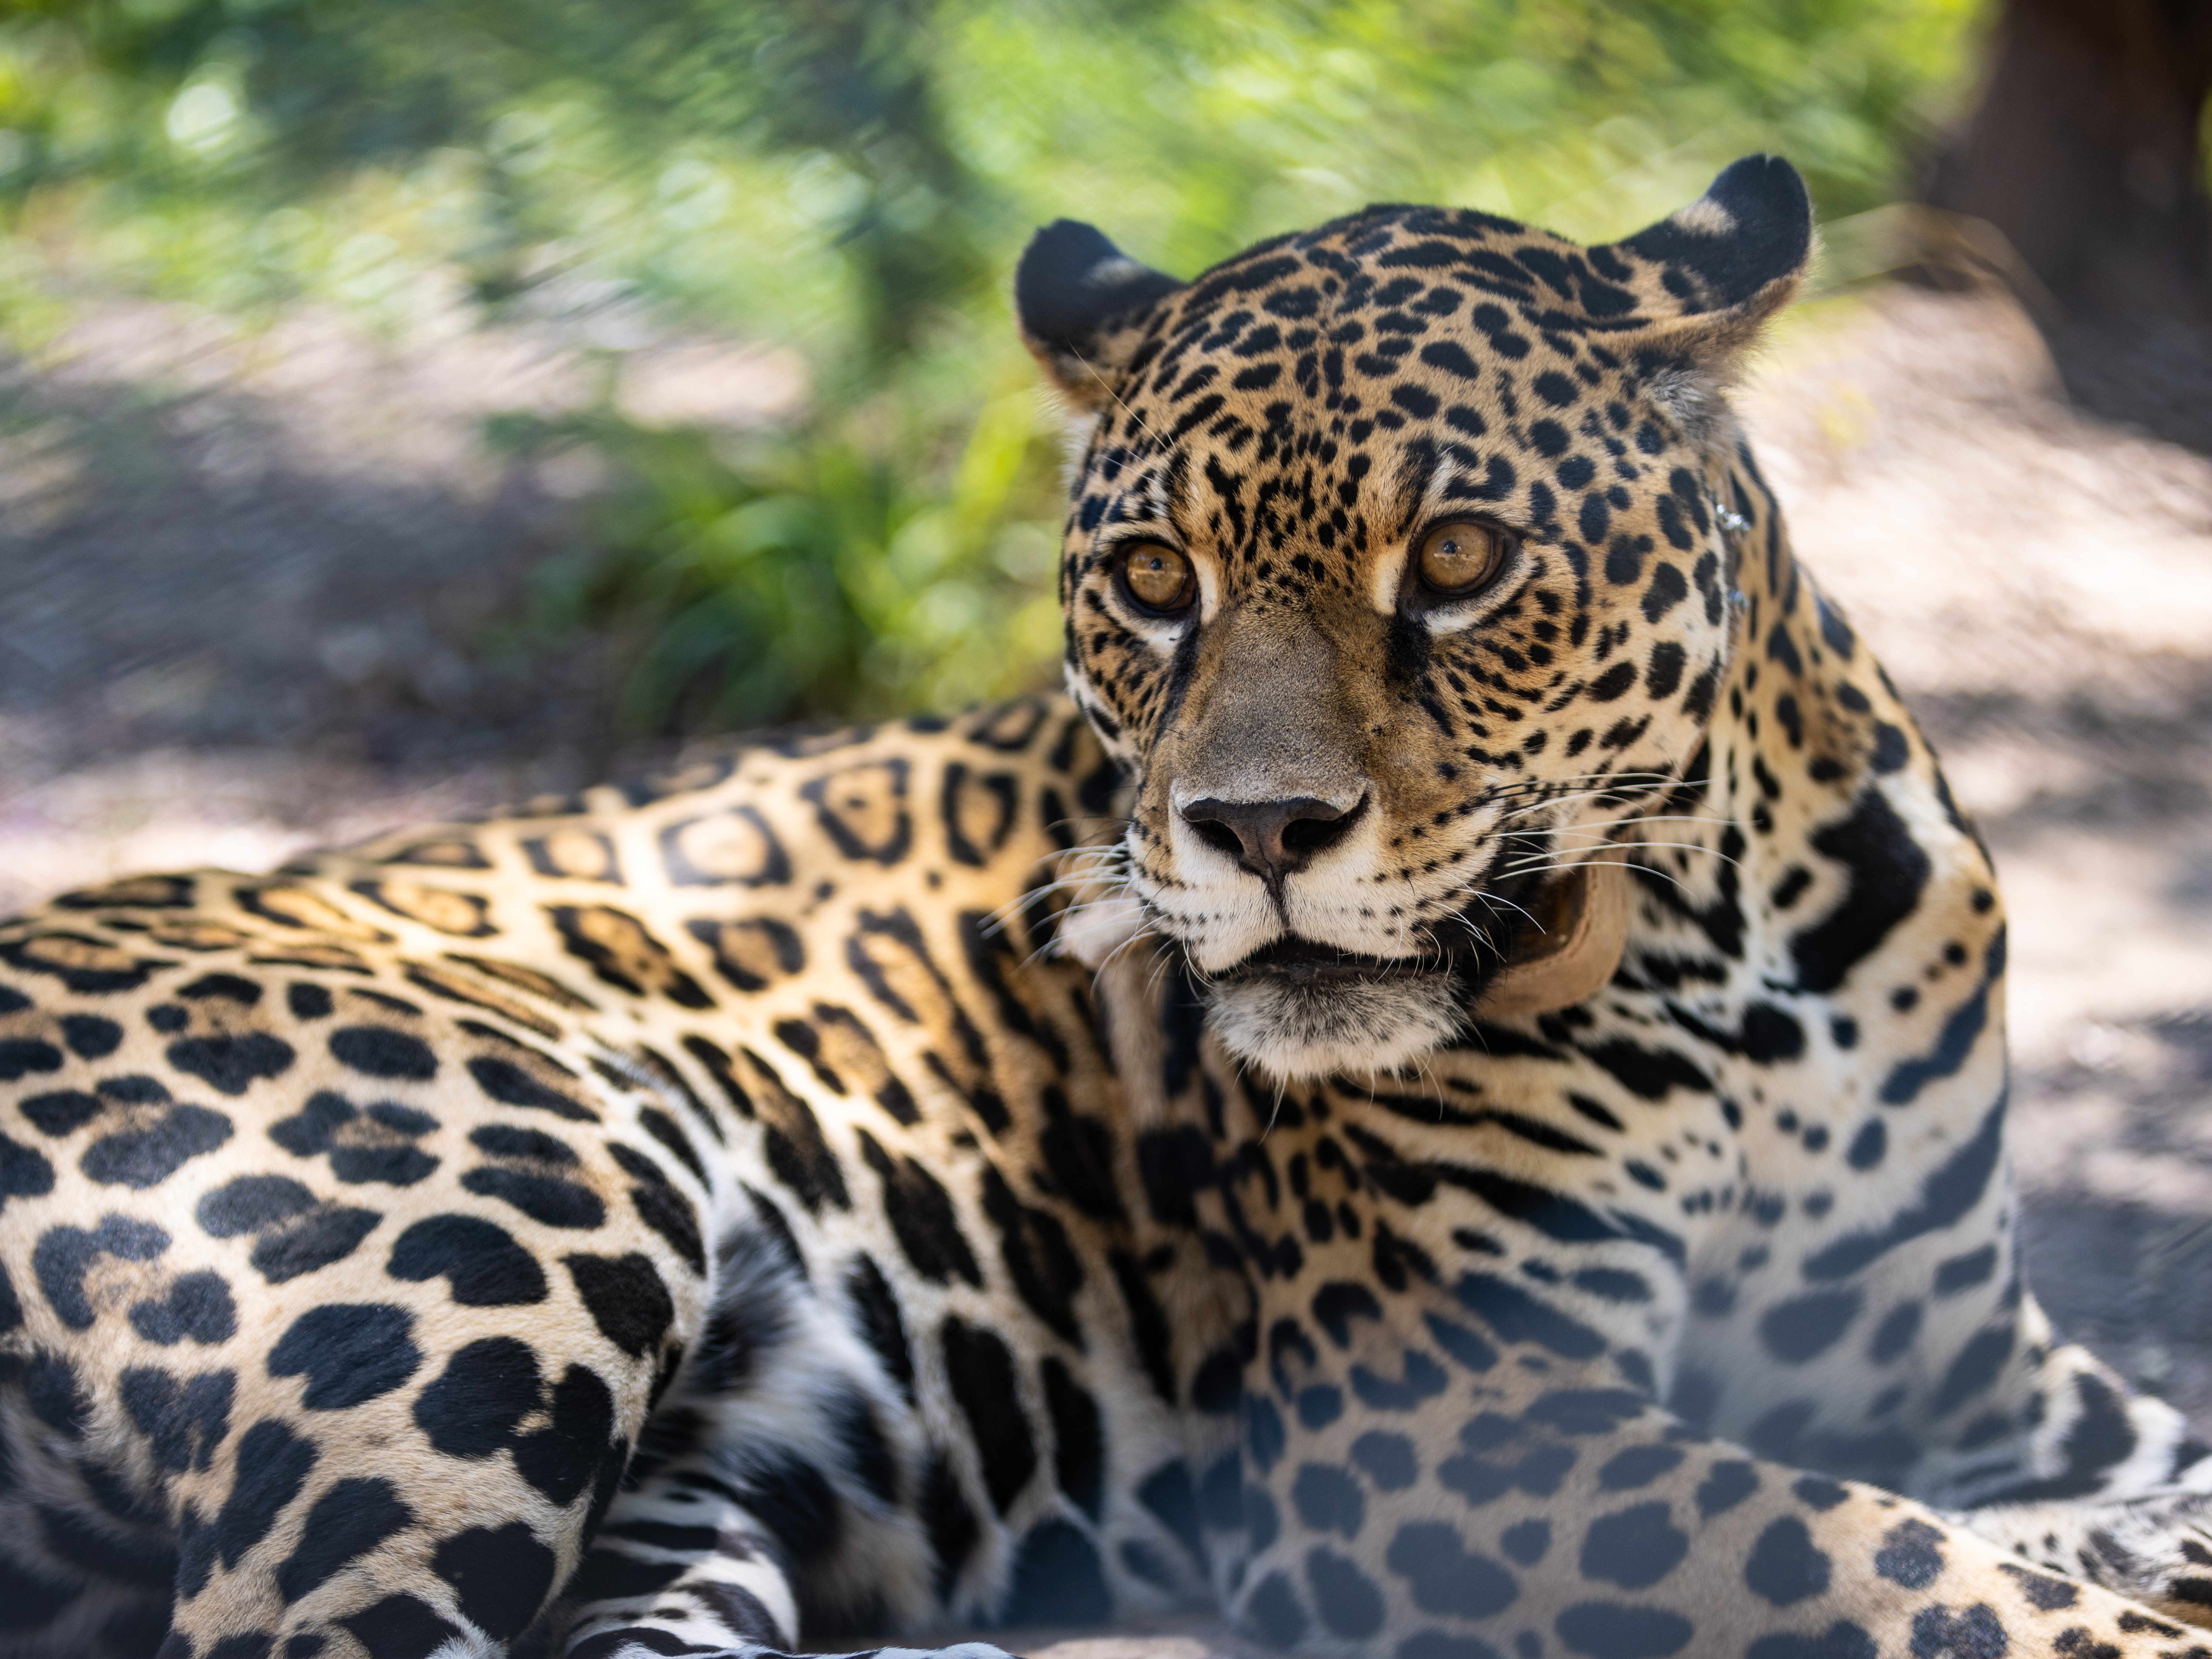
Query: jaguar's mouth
[{"x": 1296, "y": 961}]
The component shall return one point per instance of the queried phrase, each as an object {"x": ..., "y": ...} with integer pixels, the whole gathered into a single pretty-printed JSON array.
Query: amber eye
[
  {"x": 1156, "y": 577},
  {"x": 1459, "y": 557}
]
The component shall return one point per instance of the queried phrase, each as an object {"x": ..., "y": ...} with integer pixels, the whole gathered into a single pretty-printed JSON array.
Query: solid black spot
[
  {"x": 380, "y": 1051},
  {"x": 561, "y": 1458},
  {"x": 1386, "y": 1459},
  {"x": 1804, "y": 1327},
  {"x": 1445, "y": 1575},
  {"x": 511, "y": 1085},
  {"x": 1044, "y": 1267},
  {"x": 544, "y": 1200},
  {"x": 1891, "y": 751},
  {"x": 61, "y": 1113},
  {"x": 876, "y": 1313},
  {"x": 272, "y": 1464},
  {"x": 1328, "y": 1500},
  {"x": 89, "y": 1037},
  {"x": 250, "y": 1203},
  {"x": 486, "y": 1267},
  {"x": 231, "y": 1064},
  {"x": 1610, "y": 1629},
  {"x": 504, "y": 1140},
  {"x": 1057, "y": 1579},
  {"x": 307, "y": 1001},
  {"x": 20, "y": 1055},
  {"x": 1725, "y": 1485},
  {"x": 1886, "y": 870},
  {"x": 500, "y": 1576},
  {"x": 140, "y": 1159},
  {"x": 488, "y": 1387},
  {"x": 399, "y": 1627},
  {"x": 1638, "y": 1467},
  {"x": 2047, "y": 1594},
  {"x": 1975, "y": 1368},
  {"x": 1634, "y": 1547},
  {"x": 661, "y": 1206},
  {"x": 921, "y": 1217},
  {"x": 1345, "y": 1597},
  {"x": 1079, "y": 1438},
  {"x": 1963, "y": 1271},
  {"x": 625, "y": 1297},
  {"x": 1911, "y": 1554},
  {"x": 349, "y": 1353},
  {"x": 1525, "y": 1541},
  {"x": 1612, "y": 683},
  {"x": 197, "y": 1307},
  {"x": 980, "y": 1373},
  {"x": 1868, "y": 1145},
  {"x": 1272, "y": 1609},
  {"x": 348, "y": 1521},
  {"x": 1785, "y": 1566},
  {"x": 1645, "y": 1073}
]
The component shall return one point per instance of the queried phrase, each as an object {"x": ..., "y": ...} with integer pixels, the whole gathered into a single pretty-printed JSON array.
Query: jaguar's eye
[
  {"x": 1457, "y": 558},
  {"x": 1157, "y": 578}
]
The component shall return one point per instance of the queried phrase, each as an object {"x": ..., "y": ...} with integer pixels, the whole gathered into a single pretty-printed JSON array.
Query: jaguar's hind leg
[
  {"x": 2124, "y": 1498},
  {"x": 2156, "y": 1549}
]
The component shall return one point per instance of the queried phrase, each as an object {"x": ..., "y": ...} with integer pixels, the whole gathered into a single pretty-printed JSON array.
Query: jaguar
[{"x": 1448, "y": 1098}]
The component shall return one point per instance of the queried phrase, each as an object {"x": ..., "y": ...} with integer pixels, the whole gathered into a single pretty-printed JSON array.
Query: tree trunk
[{"x": 2087, "y": 152}]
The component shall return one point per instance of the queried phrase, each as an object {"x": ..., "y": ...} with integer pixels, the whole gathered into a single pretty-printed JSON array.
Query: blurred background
[{"x": 408, "y": 404}]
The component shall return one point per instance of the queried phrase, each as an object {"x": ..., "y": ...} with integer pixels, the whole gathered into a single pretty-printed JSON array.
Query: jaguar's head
[{"x": 1394, "y": 579}]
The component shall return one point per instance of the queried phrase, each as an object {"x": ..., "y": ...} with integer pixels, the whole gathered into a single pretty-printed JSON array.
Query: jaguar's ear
[
  {"x": 1708, "y": 277},
  {"x": 1082, "y": 304}
]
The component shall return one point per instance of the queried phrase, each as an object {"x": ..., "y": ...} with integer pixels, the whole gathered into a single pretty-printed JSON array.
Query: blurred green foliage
[{"x": 855, "y": 179}]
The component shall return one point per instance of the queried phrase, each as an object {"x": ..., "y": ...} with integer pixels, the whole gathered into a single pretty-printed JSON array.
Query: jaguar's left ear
[
  {"x": 1708, "y": 277},
  {"x": 1082, "y": 304}
]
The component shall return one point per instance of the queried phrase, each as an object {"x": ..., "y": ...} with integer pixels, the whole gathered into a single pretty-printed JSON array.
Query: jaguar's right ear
[{"x": 1082, "y": 304}]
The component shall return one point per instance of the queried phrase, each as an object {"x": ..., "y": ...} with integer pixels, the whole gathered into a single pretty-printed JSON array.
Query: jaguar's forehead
[
  {"x": 1419, "y": 261},
  {"x": 1336, "y": 384}
]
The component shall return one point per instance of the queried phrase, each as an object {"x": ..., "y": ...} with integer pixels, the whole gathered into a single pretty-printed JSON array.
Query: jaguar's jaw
[
  {"x": 1297, "y": 1027},
  {"x": 1300, "y": 1010}
]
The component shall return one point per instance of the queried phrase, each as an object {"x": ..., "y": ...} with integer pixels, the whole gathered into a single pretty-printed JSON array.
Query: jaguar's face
[{"x": 1394, "y": 574}]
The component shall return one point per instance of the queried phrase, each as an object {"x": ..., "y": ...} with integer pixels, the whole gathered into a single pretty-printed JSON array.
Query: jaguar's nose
[{"x": 1272, "y": 838}]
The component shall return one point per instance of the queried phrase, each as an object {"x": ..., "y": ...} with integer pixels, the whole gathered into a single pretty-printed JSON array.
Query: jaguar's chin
[{"x": 1337, "y": 1018}]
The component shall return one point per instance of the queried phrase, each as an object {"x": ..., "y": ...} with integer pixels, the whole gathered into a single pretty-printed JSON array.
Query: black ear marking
[
  {"x": 1071, "y": 287},
  {"x": 1752, "y": 228}
]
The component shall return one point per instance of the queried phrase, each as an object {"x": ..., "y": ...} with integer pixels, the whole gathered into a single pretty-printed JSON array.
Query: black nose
[{"x": 1271, "y": 838}]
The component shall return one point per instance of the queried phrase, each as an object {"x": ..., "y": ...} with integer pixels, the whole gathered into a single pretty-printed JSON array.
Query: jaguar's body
[{"x": 1089, "y": 1156}]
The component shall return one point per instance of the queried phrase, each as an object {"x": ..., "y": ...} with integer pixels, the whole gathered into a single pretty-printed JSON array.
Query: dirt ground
[{"x": 254, "y": 593}]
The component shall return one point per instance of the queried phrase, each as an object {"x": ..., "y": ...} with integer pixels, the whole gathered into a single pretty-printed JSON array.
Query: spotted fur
[{"x": 864, "y": 1182}]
